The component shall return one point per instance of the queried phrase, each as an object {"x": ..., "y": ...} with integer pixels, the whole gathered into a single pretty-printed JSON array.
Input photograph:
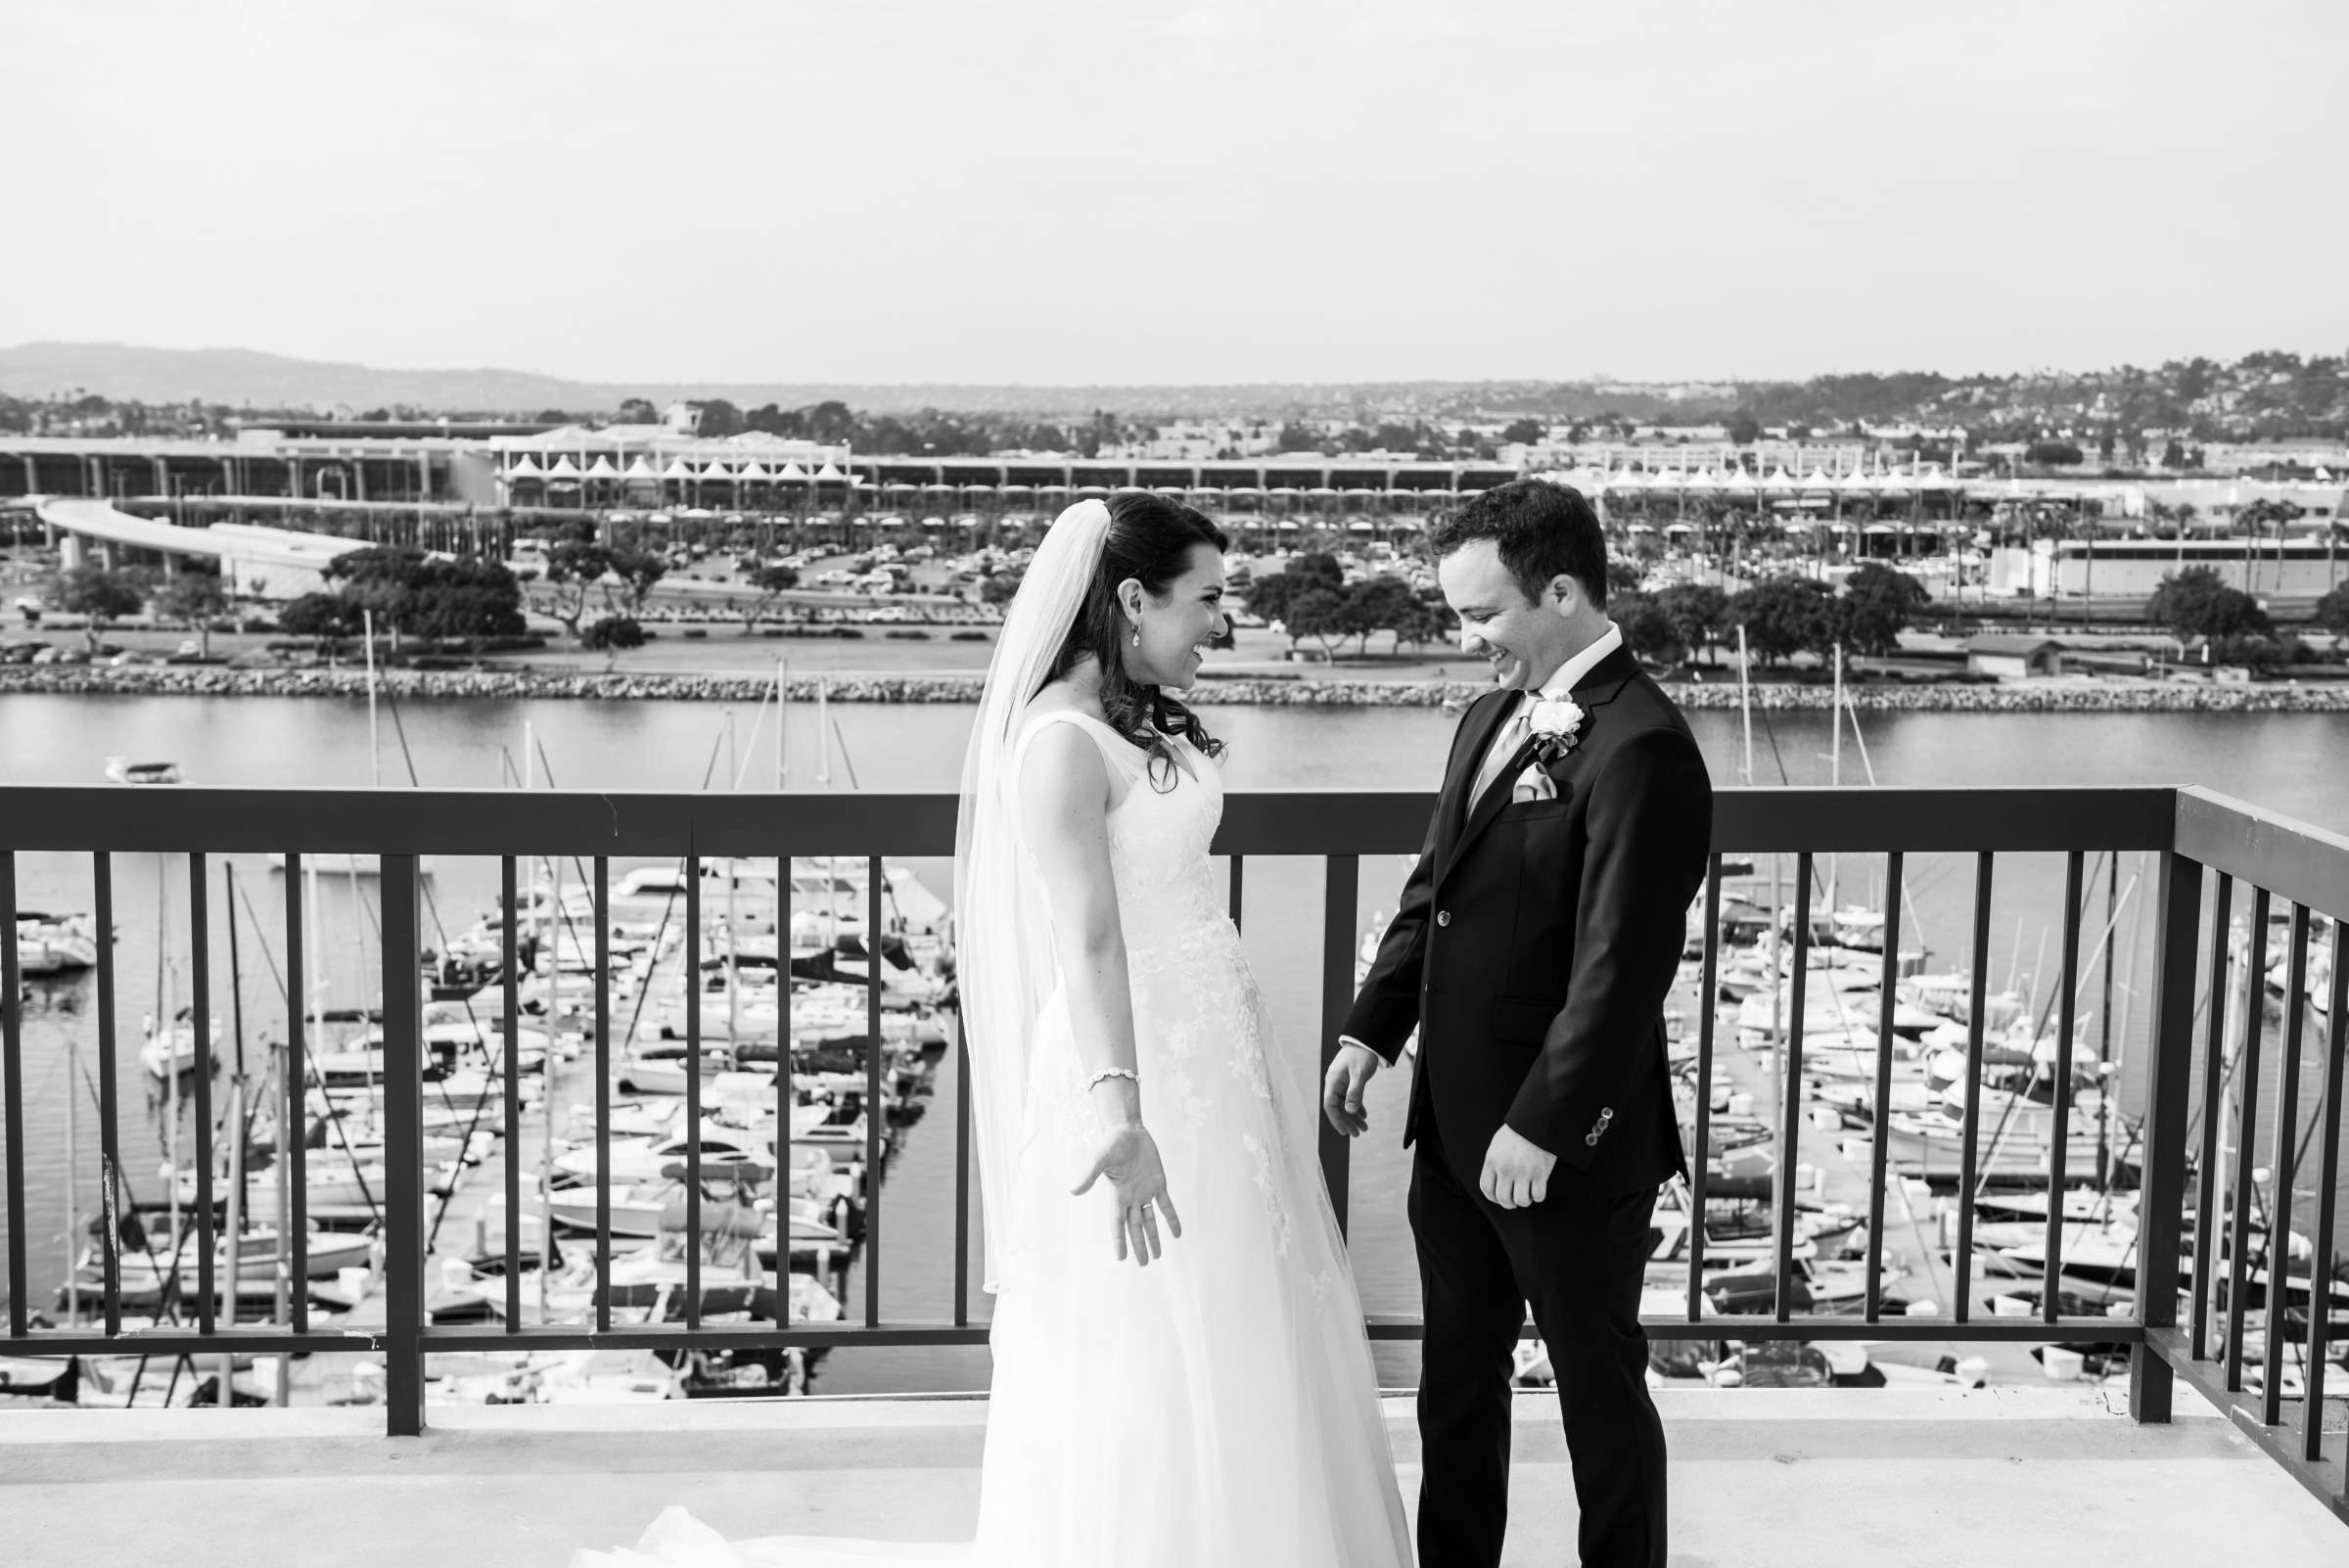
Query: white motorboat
[
  {"x": 2012, "y": 1137},
  {"x": 122, "y": 771},
  {"x": 53, "y": 944}
]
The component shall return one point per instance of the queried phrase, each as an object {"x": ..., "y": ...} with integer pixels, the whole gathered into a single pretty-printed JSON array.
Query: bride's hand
[{"x": 1129, "y": 1156}]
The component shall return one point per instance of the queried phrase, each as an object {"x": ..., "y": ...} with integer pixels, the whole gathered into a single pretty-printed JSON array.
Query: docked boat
[
  {"x": 170, "y": 1048},
  {"x": 122, "y": 771},
  {"x": 347, "y": 863},
  {"x": 53, "y": 944},
  {"x": 2012, "y": 1140}
]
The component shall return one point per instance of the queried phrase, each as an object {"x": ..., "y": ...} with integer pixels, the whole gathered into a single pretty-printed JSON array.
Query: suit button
[
  {"x": 1590, "y": 1138},
  {"x": 1442, "y": 917}
]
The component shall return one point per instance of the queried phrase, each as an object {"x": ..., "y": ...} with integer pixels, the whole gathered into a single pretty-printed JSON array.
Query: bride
[{"x": 1181, "y": 1374}]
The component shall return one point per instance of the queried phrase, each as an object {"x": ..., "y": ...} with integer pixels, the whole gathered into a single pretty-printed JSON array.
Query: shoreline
[{"x": 2055, "y": 695}]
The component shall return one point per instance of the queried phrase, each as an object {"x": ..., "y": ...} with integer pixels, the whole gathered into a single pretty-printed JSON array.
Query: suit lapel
[
  {"x": 1456, "y": 803},
  {"x": 1605, "y": 682},
  {"x": 1594, "y": 691}
]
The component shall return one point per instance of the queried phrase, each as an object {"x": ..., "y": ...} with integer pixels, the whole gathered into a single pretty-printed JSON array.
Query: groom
[{"x": 1532, "y": 949}]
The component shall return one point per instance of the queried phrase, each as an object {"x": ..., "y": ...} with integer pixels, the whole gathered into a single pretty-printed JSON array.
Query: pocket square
[{"x": 1533, "y": 785}]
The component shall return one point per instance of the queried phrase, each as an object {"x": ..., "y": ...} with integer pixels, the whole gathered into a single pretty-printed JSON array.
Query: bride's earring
[{"x": 1137, "y": 635}]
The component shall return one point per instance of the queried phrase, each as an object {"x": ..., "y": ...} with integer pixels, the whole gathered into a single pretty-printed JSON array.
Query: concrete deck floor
[{"x": 1760, "y": 1479}]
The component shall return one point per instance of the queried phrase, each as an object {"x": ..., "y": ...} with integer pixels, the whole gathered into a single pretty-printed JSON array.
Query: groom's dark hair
[{"x": 1543, "y": 530}]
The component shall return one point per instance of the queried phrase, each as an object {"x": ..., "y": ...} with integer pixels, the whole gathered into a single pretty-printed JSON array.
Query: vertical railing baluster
[
  {"x": 693, "y": 1085},
  {"x": 1341, "y": 894},
  {"x": 1238, "y": 875},
  {"x": 294, "y": 1215},
  {"x": 2328, "y": 1176},
  {"x": 2207, "y": 1230},
  {"x": 12, "y": 1062},
  {"x": 1790, "y": 1088},
  {"x": 2279, "y": 1168},
  {"x": 876, "y": 877},
  {"x": 786, "y": 1095},
  {"x": 603, "y": 1092},
  {"x": 2060, "y": 1136},
  {"x": 199, "y": 1028},
  {"x": 403, "y": 1146},
  {"x": 509, "y": 960},
  {"x": 1700, "y": 1164},
  {"x": 962, "y": 1175},
  {"x": 1970, "y": 1116},
  {"x": 109, "y": 1151},
  {"x": 1877, "y": 1157},
  {"x": 2247, "y": 1135},
  {"x": 2161, "y": 1194}
]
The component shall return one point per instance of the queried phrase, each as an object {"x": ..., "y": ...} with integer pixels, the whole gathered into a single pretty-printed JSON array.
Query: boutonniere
[{"x": 1556, "y": 724}]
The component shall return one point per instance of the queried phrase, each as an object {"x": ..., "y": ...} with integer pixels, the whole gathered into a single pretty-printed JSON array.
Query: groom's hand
[
  {"x": 1350, "y": 1073},
  {"x": 1516, "y": 1173}
]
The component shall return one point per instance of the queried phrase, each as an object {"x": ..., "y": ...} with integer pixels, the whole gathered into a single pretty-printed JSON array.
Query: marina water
[{"x": 2290, "y": 763}]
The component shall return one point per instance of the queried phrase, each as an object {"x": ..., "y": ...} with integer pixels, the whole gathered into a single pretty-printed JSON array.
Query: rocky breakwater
[{"x": 512, "y": 685}]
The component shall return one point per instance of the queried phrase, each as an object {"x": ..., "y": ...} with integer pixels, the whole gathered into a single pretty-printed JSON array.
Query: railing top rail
[
  {"x": 1298, "y": 822},
  {"x": 2294, "y": 860}
]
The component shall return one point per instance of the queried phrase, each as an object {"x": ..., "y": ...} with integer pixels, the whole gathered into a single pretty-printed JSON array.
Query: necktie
[{"x": 1505, "y": 741}]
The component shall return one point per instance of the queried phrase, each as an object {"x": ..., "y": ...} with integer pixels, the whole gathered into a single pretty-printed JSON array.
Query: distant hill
[
  {"x": 245, "y": 378},
  {"x": 2271, "y": 394}
]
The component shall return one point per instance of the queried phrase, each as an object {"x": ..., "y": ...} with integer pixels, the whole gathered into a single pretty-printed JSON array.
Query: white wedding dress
[{"x": 1219, "y": 1406}]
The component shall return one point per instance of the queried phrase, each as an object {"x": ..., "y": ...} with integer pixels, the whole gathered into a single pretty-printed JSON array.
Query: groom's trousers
[{"x": 1577, "y": 1258}]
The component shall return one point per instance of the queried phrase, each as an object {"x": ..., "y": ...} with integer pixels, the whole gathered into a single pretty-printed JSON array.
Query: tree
[
  {"x": 1380, "y": 603},
  {"x": 1430, "y": 619},
  {"x": 101, "y": 597},
  {"x": 1001, "y": 586},
  {"x": 636, "y": 411},
  {"x": 1744, "y": 427},
  {"x": 772, "y": 582},
  {"x": 196, "y": 600},
  {"x": 576, "y": 568},
  {"x": 1525, "y": 432},
  {"x": 2253, "y": 651},
  {"x": 321, "y": 616},
  {"x": 1781, "y": 617},
  {"x": 1271, "y": 596},
  {"x": 1623, "y": 576},
  {"x": 2054, "y": 454},
  {"x": 1298, "y": 437},
  {"x": 410, "y": 593},
  {"x": 1646, "y": 630},
  {"x": 1698, "y": 611},
  {"x": 2197, "y": 603},
  {"x": 2333, "y": 611},
  {"x": 1878, "y": 604},
  {"x": 718, "y": 418},
  {"x": 1319, "y": 614},
  {"x": 611, "y": 636}
]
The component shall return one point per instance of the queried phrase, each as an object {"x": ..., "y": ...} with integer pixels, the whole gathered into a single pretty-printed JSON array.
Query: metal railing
[{"x": 2192, "y": 834}]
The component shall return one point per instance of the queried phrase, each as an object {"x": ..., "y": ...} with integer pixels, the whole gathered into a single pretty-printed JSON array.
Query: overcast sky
[{"x": 1232, "y": 189}]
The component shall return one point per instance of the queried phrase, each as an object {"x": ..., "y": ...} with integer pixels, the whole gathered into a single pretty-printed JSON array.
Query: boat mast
[
  {"x": 374, "y": 759},
  {"x": 73, "y": 1165},
  {"x": 166, "y": 1034},
  {"x": 235, "y": 1229}
]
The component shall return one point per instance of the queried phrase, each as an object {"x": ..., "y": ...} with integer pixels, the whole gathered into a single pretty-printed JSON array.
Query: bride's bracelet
[{"x": 1106, "y": 1073}]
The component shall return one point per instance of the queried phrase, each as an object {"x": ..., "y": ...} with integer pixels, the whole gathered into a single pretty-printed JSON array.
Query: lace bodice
[{"x": 1161, "y": 824}]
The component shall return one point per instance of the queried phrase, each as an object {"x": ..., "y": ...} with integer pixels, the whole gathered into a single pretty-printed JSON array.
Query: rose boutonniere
[{"x": 1556, "y": 724}]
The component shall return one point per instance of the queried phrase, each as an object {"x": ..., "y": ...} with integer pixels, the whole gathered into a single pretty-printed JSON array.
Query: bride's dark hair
[{"x": 1149, "y": 539}]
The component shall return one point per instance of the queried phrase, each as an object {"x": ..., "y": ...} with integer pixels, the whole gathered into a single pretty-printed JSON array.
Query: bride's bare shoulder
[{"x": 1060, "y": 697}]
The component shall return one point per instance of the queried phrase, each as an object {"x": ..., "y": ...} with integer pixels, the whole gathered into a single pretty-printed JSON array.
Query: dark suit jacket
[{"x": 1535, "y": 941}]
